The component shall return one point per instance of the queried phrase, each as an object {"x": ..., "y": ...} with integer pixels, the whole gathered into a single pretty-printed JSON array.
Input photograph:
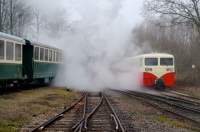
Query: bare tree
[
  {"x": 23, "y": 20},
  {"x": 37, "y": 15},
  {"x": 11, "y": 17},
  {"x": 15, "y": 15},
  {"x": 3, "y": 14},
  {"x": 56, "y": 22},
  {"x": 173, "y": 12}
]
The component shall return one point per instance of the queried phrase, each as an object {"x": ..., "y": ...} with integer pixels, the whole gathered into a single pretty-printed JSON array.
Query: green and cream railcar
[
  {"x": 41, "y": 62},
  {"x": 10, "y": 59}
]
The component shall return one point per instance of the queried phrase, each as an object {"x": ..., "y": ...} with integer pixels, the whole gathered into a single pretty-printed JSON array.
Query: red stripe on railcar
[
  {"x": 169, "y": 79},
  {"x": 148, "y": 79}
]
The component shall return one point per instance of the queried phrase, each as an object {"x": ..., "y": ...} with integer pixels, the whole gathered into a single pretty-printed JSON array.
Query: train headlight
[
  {"x": 169, "y": 69},
  {"x": 148, "y": 69}
]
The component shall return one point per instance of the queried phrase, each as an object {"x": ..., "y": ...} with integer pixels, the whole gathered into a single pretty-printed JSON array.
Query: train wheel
[{"x": 3, "y": 87}]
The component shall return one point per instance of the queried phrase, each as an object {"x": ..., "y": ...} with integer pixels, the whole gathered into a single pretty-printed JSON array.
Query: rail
[{"x": 41, "y": 127}]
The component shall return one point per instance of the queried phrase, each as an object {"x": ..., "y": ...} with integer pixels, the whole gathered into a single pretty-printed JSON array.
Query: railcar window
[
  {"x": 151, "y": 61},
  {"x": 42, "y": 54},
  {"x": 57, "y": 55},
  {"x": 18, "y": 52},
  {"x": 1, "y": 49},
  {"x": 54, "y": 56},
  {"x": 36, "y": 53},
  {"x": 60, "y": 57},
  {"x": 9, "y": 50},
  {"x": 46, "y": 54},
  {"x": 50, "y": 55},
  {"x": 166, "y": 61}
]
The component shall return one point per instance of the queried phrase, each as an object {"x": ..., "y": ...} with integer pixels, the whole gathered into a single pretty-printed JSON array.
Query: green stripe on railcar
[
  {"x": 10, "y": 71},
  {"x": 45, "y": 69}
]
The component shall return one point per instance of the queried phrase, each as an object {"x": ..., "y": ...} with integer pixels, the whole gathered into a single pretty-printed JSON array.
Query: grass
[
  {"x": 174, "y": 122},
  {"x": 11, "y": 125},
  {"x": 17, "y": 109}
]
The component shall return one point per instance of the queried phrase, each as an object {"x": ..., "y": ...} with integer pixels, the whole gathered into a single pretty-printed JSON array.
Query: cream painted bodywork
[
  {"x": 134, "y": 64},
  {"x": 14, "y": 42}
]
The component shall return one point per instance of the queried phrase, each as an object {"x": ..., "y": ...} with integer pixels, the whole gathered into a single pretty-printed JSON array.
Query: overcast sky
[{"x": 75, "y": 6}]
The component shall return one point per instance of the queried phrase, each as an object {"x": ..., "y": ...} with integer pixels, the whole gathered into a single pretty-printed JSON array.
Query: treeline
[{"x": 19, "y": 18}]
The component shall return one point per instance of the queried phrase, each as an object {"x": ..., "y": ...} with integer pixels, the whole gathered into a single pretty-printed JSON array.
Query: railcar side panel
[
  {"x": 10, "y": 59},
  {"x": 10, "y": 71},
  {"x": 45, "y": 69}
]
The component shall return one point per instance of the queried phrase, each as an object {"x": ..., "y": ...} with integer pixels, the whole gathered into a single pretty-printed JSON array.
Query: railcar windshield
[
  {"x": 166, "y": 61},
  {"x": 151, "y": 61},
  {"x": 1, "y": 49},
  {"x": 17, "y": 52},
  {"x": 9, "y": 50}
]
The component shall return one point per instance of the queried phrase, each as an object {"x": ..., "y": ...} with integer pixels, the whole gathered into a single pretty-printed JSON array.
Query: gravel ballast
[{"x": 33, "y": 107}]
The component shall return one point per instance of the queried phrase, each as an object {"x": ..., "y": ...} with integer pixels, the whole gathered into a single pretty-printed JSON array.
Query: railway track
[
  {"x": 178, "y": 95},
  {"x": 186, "y": 109},
  {"x": 63, "y": 121},
  {"x": 103, "y": 118},
  {"x": 93, "y": 112}
]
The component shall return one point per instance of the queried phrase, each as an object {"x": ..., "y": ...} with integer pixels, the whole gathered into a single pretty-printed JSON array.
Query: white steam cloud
[{"x": 102, "y": 36}]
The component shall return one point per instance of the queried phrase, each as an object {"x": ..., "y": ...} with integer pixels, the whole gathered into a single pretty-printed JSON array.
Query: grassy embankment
[{"x": 17, "y": 109}]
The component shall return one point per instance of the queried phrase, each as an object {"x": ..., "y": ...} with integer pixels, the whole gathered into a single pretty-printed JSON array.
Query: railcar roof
[
  {"x": 11, "y": 37},
  {"x": 152, "y": 55},
  {"x": 156, "y": 54},
  {"x": 28, "y": 42}
]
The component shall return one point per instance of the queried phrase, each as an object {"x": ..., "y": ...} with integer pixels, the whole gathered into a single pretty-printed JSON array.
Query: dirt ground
[{"x": 17, "y": 110}]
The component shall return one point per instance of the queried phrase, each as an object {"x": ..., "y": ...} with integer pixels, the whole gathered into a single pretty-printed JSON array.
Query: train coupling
[{"x": 159, "y": 83}]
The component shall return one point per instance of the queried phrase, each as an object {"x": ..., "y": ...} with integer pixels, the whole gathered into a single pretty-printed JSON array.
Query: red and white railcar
[{"x": 154, "y": 69}]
